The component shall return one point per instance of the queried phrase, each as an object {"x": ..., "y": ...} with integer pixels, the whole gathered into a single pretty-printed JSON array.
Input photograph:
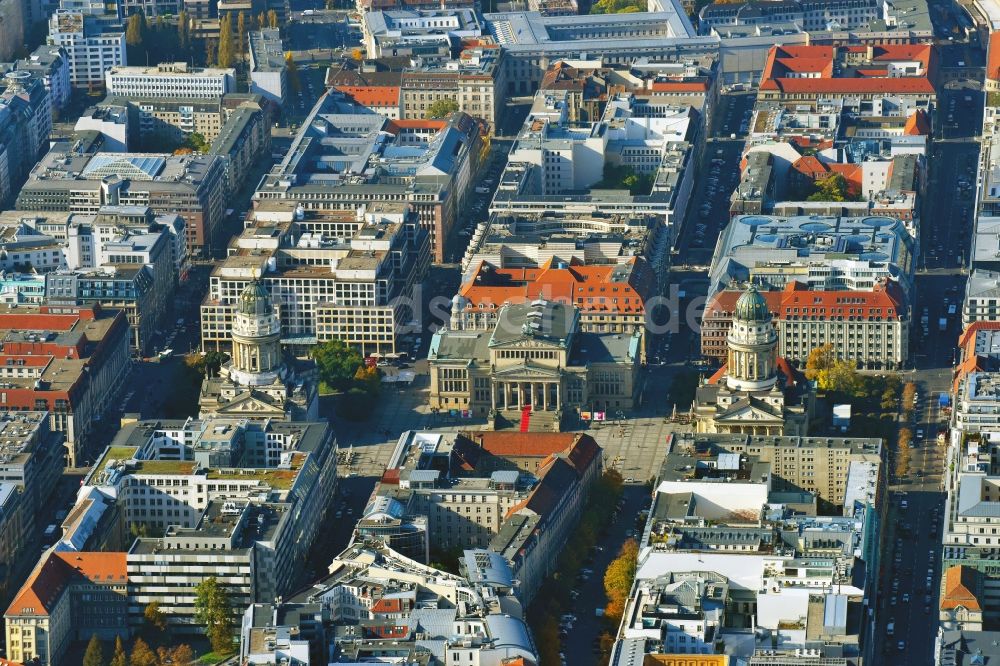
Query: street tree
[
  {"x": 196, "y": 141},
  {"x": 272, "y": 18},
  {"x": 618, "y": 580},
  {"x": 154, "y": 616},
  {"x": 337, "y": 363},
  {"x": 548, "y": 640},
  {"x": 227, "y": 48},
  {"x": 142, "y": 655},
  {"x": 183, "y": 33},
  {"x": 136, "y": 31},
  {"x": 211, "y": 52},
  {"x": 909, "y": 396},
  {"x": 292, "y": 70},
  {"x": 119, "y": 658},
  {"x": 241, "y": 34},
  {"x": 213, "y": 608},
  {"x": 94, "y": 656},
  {"x": 831, "y": 373},
  {"x": 182, "y": 655}
]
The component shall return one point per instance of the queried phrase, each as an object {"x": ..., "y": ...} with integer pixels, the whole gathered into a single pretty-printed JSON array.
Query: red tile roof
[
  {"x": 958, "y": 583},
  {"x": 884, "y": 301},
  {"x": 524, "y": 444},
  {"x": 993, "y": 57},
  {"x": 38, "y": 322},
  {"x": 516, "y": 661},
  {"x": 585, "y": 449},
  {"x": 373, "y": 96},
  {"x": 786, "y": 64},
  {"x": 724, "y": 302},
  {"x": 679, "y": 86},
  {"x": 917, "y": 124},
  {"x": 814, "y": 169},
  {"x": 24, "y": 360},
  {"x": 391, "y": 605},
  {"x": 969, "y": 334},
  {"x": 810, "y": 167},
  {"x": 971, "y": 362},
  {"x": 41, "y": 592},
  {"x": 387, "y": 631},
  {"x": 396, "y": 126},
  {"x": 589, "y": 287}
]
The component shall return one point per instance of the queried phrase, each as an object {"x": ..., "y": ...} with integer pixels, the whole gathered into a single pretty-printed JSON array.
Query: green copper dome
[
  {"x": 751, "y": 306},
  {"x": 255, "y": 300}
]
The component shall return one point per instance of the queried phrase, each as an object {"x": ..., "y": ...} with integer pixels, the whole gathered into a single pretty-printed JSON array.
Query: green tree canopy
[
  {"x": 182, "y": 655},
  {"x": 831, "y": 373},
  {"x": 142, "y": 655},
  {"x": 909, "y": 396},
  {"x": 618, "y": 579},
  {"x": 227, "y": 47},
  {"x": 441, "y": 108},
  {"x": 241, "y": 34},
  {"x": 337, "y": 363},
  {"x": 183, "y": 31},
  {"x": 833, "y": 187},
  {"x": 196, "y": 141},
  {"x": 119, "y": 658},
  {"x": 213, "y": 608},
  {"x": 136, "y": 30},
  {"x": 211, "y": 52},
  {"x": 154, "y": 616},
  {"x": 624, "y": 177},
  {"x": 617, "y": 7},
  {"x": 94, "y": 656}
]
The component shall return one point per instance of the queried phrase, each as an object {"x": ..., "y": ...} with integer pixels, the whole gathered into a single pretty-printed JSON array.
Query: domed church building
[
  {"x": 755, "y": 392},
  {"x": 260, "y": 381}
]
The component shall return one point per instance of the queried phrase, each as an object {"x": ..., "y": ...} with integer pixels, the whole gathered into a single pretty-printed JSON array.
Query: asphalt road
[
  {"x": 579, "y": 645},
  {"x": 912, "y": 557},
  {"x": 913, "y": 538},
  {"x": 476, "y": 207},
  {"x": 716, "y": 178},
  {"x": 960, "y": 110}
]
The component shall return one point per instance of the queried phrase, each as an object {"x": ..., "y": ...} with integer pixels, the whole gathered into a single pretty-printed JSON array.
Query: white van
[{"x": 890, "y": 629}]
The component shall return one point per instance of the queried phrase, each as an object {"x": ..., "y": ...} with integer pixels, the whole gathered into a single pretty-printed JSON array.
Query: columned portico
[{"x": 514, "y": 394}]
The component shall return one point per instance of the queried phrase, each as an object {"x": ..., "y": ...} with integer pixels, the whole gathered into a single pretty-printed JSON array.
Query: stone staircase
[{"x": 539, "y": 421}]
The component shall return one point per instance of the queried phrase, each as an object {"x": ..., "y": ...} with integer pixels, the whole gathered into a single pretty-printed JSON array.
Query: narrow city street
[{"x": 911, "y": 559}]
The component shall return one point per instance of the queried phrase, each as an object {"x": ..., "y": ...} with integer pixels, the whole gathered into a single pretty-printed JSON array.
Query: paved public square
[{"x": 635, "y": 446}]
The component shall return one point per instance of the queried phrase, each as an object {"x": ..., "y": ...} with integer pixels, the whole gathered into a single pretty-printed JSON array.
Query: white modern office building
[{"x": 170, "y": 80}]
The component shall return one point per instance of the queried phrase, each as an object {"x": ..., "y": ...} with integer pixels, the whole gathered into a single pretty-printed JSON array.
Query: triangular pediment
[
  {"x": 250, "y": 403},
  {"x": 524, "y": 371},
  {"x": 525, "y": 342},
  {"x": 749, "y": 410}
]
